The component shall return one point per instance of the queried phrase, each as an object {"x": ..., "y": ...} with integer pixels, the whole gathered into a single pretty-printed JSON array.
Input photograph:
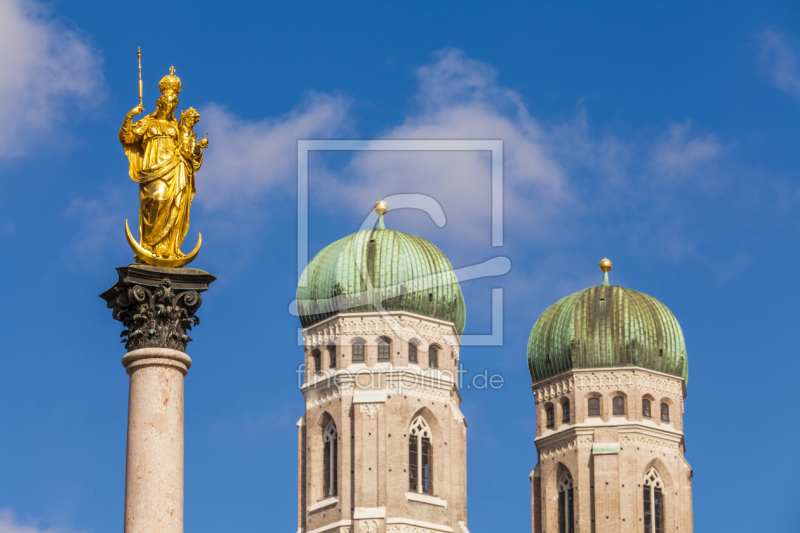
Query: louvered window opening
[
  {"x": 384, "y": 350},
  {"x": 664, "y": 412},
  {"x": 332, "y": 355},
  {"x": 551, "y": 418},
  {"x": 594, "y": 407},
  {"x": 646, "y": 408},
  {"x": 358, "y": 353},
  {"x": 619, "y": 406},
  {"x": 412, "y": 352},
  {"x": 566, "y": 414},
  {"x": 317, "y": 357},
  {"x": 433, "y": 357}
]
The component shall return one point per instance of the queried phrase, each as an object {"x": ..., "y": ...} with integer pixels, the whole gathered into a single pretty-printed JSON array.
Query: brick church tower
[
  {"x": 609, "y": 373},
  {"x": 382, "y": 443}
]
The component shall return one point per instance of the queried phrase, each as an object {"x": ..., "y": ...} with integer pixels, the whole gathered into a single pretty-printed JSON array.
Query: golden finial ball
[
  {"x": 381, "y": 207},
  {"x": 605, "y": 265}
]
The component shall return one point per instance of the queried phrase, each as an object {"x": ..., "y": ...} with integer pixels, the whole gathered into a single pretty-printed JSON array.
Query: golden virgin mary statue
[{"x": 164, "y": 156}]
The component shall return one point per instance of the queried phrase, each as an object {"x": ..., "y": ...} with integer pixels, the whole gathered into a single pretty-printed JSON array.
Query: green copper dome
[
  {"x": 395, "y": 270},
  {"x": 606, "y": 327}
]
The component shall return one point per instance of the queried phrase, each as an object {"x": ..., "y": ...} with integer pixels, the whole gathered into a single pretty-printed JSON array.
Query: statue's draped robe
[{"x": 166, "y": 183}]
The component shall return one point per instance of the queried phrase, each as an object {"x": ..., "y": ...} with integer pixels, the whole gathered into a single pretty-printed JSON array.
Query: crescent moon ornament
[{"x": 148, "y": 258}]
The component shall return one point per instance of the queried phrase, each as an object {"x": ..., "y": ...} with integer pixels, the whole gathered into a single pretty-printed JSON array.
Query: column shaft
[{"x": 154, "y": 465}]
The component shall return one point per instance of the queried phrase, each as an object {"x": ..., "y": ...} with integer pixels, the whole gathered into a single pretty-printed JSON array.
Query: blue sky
[{"x": 661, "y": 135}]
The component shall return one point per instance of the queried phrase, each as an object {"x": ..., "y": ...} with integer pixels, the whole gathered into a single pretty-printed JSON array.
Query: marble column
[
  {"x": 157, "y": 307},
  {"x": 154, "y": 466}
]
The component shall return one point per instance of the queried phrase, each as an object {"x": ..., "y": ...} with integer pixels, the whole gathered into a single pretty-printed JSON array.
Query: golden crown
[{"x": 170, "y": 83}]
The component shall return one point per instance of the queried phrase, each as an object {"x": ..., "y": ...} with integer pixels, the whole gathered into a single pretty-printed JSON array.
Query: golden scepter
[{"x": 139, "y": 53}]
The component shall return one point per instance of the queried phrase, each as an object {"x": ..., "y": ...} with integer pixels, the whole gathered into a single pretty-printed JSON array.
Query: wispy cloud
[
  {"x": 779, "y": 59},
  {"x": 460, "y": 98},
  {"x": 46, "y": 71},
  {"x": 246, "y": 159},
  {"x": 560, "y": 176},
  {"x": 556, "y": 173},
  {"x": 100, "y": 223},
  {"x": 9, "y": 523},
  {"x": 681, "y": 152}
]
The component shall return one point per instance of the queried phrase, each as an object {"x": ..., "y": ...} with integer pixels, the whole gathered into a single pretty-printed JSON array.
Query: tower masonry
[
  {"x": 382, "y": 442},
  {"x": 609, "y": 373}
]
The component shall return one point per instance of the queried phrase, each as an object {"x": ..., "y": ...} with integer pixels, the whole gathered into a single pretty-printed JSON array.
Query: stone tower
[
  {"x": 382, "y": 443},
  {"x": 609, "y": 373}
]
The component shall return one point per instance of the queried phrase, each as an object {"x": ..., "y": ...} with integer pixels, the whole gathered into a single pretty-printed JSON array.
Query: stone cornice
[
  {"x": 623, "y": 426},
  {"x": 671, "y": 435},
  {"x": 334, "y": 525},
  {"x": 397, "y": 381},
  {"x": 628, "y": 434},
  {"x": 608, "y": 379},
  {"x": 413, "y": 326},
  {"x": 408, "y": 525},
  {"x": 323, "y": 503},
  {"x": 573, "y": 434}
]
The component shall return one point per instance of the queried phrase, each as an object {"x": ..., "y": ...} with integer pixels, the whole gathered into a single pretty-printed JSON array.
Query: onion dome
[
  {"x": 380, "y": 270},
  {"x": 603, "y": 327}
]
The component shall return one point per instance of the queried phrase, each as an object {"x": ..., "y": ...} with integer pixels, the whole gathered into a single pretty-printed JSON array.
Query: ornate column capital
[{"x": 157, "y": 305}]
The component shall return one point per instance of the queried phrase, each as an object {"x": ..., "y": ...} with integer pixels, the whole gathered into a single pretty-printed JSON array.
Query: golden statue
[{"x": 164, "y": 156}]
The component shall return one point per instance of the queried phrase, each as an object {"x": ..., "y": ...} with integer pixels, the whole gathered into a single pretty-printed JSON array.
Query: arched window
[
  {"x": 551, "y": 417},
  {"x": 565, "y": 412},
  {"x": 594, "y": 406},
  {"x": 420, "y": 457},
  {"x": 566, "y": 507},
  {"x": 412, "y": 352},
  {"x": 317, "y": 356},
  {"x": 646, "y": 408},
  {"x": 384, "y": 349},
  {"x": 358, "y": 352},
  {"x": 433, "y": 357},
  {"x": 664, "y": 412},
  {"x": 330, "y": 463},
  {"x": 619, "y": 406},
  {"x": 653, "y": 502},
  {"x": 332, "y": 355}
]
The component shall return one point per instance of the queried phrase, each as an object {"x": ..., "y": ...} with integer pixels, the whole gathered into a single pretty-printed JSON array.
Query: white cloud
[
  {"x": 559, "y": 175},
  {"x": 10, "y": 524},
  {"x": 460, "y": 98},
  {"x": 779, "y": 59},
  {"x": 680, "y": 153},
  {"x": 103, "y": 218},
  {"x": 246, "y": 159},
  {"x": 561, "y": 178},
  {"x": 46, "y": 69}
]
